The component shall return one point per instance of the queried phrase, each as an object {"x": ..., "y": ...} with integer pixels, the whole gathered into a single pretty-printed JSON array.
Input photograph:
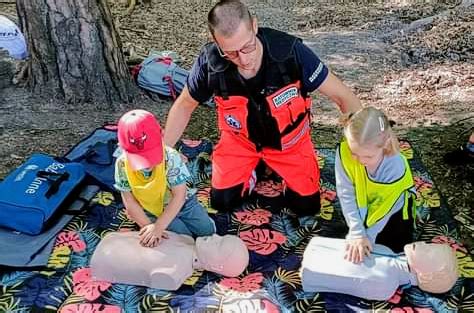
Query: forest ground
[{"x": 413, "y": 59}]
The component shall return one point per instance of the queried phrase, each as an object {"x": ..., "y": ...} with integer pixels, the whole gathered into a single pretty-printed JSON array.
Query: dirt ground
[{"x": 393, "y": 54}]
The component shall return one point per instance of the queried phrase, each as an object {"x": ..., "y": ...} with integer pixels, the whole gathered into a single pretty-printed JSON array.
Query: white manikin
[
  {"x": 119, "y": 258},
  {"x": 432, "y": 267}
]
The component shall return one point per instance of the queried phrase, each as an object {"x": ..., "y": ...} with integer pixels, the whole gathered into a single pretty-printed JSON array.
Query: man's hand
[
  {"x": 340, "y": 94},
  {"x": 151, "y": 235},
  {"x": 357, "y": 249}
]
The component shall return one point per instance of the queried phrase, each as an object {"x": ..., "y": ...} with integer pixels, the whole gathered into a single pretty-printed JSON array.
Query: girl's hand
[
  {"x": 151, "y": 235},
  {"x": 357, "y": 249}
]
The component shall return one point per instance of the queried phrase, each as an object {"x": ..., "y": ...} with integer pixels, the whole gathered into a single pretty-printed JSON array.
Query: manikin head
[
  {"x": 226, "y": 255},
  {"x": 435, "y": 265}
]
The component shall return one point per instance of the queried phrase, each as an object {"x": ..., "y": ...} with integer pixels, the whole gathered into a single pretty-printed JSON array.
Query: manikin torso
[
  {"x": 166, "y": 266},
  {"x": 324, "y": 269}
]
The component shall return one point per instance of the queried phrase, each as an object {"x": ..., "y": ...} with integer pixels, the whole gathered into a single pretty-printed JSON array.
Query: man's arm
[
  {"x": 335, "y": 89},
  {"x": 179, "y": 116}
]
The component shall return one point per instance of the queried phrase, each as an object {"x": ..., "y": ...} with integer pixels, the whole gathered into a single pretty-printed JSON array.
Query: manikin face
[
  {"x": 426, "y": 257},
  {"x": 226, "y": 255},
  {"x": 241, "y": 48},
  {"x": 435, "y": 265},
  {"x": 209, "y": 247}
]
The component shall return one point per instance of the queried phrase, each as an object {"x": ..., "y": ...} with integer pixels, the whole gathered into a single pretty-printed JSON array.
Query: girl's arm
[
  {"x": 347, "y": 198},
  {"x": 358, "y": 244}
]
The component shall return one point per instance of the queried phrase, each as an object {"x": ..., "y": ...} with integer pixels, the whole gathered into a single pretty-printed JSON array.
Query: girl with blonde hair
[{"x": 374, "y": 185}]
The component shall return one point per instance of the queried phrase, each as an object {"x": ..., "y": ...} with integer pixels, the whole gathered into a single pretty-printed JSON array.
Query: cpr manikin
[
  {"x": 119, "y": 258},
  {"x": 431, "y": 267}
]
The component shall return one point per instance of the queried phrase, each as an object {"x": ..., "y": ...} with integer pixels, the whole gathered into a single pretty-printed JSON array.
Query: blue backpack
[
  {"x": 35, "y": 191},
  {"x": 162, "y": 76},
  {"x": 96, "y": 154}
]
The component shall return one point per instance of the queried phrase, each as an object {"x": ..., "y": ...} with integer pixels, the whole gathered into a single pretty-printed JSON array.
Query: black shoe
[{"x": 459, "y": 156}]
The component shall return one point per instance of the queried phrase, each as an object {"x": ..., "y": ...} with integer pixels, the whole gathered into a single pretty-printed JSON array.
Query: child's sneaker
[{"x": 460, "y": 156}]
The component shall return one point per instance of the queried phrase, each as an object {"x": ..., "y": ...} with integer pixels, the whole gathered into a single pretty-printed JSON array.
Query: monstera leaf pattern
[
  {"x": 269, "y": 188},
  {"x": 409, "y": 309},
  {"x": 90, "y": 308},
  {"x": 256, "y": 217},
  {"x": 426, "y": 195},
  {"x": 70, "y": 239},
  {"x": 251, "y": 305},
  {"x": 248, "y": 283},
  {"x": 86, "y": 287},
  {"x": 275, "y": 238},
  {"x": 406, "y": 150},
  {"x": 59, "y": 257},
  {"x": 104, "y": 198},
  {"x": 262, "y": 241}
]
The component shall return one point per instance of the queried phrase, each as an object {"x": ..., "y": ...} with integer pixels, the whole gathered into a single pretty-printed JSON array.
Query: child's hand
[
  {"x": 151, "y": 235},
  {"x": 357, "y": 249}
]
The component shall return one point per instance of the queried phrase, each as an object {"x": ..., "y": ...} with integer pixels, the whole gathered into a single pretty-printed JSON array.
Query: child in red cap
[{"x": 152, "y": 180}]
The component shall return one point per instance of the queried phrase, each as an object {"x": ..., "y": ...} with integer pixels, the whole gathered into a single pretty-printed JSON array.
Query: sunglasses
[{"x": 233, "y": 54}]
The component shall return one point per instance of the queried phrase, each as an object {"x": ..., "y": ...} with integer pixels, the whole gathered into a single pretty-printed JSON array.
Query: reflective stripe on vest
[
  {"x": 286, "y": 105},
  {"x": 378, "y": 198}
]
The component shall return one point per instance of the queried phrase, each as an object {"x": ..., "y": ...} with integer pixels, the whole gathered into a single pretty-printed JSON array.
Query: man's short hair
[{"x": 226, "y": 16}]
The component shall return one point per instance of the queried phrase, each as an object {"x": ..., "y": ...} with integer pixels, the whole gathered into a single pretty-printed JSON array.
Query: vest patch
[
  {"x": 232, "y": 121},
  {"x": 285, "y": 96},
  {"x": 316, "y": 72}
]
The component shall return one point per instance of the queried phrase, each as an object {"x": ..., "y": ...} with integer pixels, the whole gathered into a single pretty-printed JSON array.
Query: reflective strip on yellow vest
[
  {"x": 149, "y": 192},
  {"x": 378, "y": 198}
]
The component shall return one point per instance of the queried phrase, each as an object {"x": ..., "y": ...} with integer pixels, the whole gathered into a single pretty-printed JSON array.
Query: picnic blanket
[{"x": 275, "y": 238}]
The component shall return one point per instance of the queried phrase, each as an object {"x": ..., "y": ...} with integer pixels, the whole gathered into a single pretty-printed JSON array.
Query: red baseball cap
[{"x": 139, "y": 135}]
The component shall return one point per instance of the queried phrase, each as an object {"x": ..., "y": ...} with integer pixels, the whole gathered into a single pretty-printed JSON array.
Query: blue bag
[
  {"x": 162, "y": 76},
  {"x": 96, "y": 154},
  {"x": 33, "y": 193}
]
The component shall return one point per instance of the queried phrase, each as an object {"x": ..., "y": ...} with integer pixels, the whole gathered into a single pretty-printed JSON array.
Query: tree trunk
[{"x": 75, "y": 51}]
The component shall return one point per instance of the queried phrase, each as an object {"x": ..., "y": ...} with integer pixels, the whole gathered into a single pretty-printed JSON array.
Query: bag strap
[
  {"x": 171, "y": 87},
  {"x": 169, "y": 76},
  {"x": 55, "y": 183},
  {"x": 92, "y": 152}
]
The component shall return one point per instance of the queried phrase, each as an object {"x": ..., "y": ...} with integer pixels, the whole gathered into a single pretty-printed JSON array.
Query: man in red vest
[{"x": 260, "y": 79}]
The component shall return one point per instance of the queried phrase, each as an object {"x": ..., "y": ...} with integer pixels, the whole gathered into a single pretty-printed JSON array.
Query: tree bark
[{"x": 75, "y": 51}]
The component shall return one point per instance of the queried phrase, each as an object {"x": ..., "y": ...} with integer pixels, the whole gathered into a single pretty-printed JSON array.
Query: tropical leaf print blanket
[{"x": 276, "y": 241}]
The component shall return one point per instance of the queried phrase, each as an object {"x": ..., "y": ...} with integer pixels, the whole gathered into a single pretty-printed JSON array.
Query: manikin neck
[{"x": 406, "y": 275}]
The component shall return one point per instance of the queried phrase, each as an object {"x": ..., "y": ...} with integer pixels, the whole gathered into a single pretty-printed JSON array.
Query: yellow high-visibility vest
[{"x": 378, "y": 198}]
